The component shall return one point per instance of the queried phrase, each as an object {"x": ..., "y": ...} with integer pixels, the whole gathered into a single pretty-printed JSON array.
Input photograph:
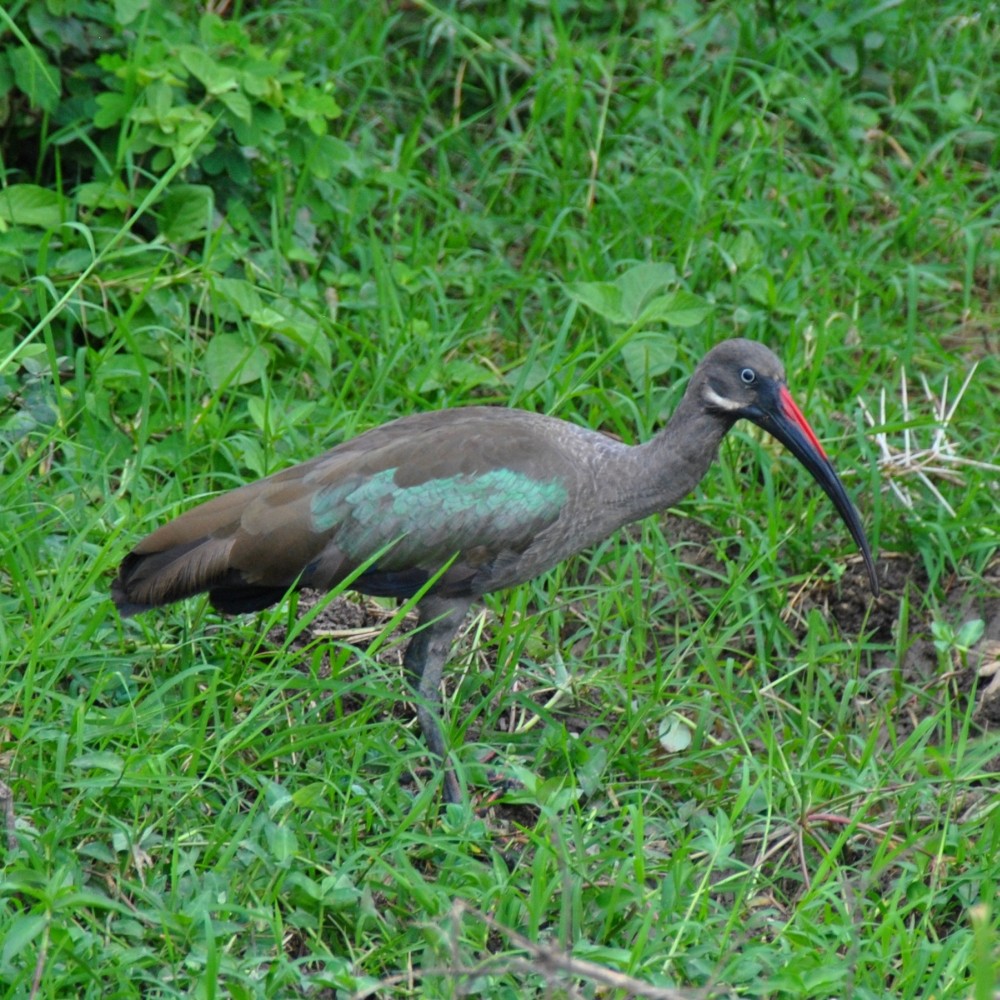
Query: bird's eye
[{"x": 749, "y": 376}]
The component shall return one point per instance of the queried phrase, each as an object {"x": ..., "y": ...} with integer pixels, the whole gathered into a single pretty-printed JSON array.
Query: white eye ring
[{"x": 749, "y": 376}]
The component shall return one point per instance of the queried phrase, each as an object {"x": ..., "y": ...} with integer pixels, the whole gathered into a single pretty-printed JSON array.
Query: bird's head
[{"x": 743, "y": 379}]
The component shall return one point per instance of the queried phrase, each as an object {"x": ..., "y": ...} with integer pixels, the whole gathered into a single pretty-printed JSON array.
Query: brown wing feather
[{"x": 248, "y": 546}]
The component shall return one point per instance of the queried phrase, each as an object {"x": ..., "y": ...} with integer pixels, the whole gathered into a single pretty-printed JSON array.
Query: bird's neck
[{"x": 670, "y": 465}]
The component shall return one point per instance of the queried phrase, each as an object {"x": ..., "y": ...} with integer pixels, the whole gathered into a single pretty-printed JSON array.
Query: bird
[{"x": 449, "y": 505}]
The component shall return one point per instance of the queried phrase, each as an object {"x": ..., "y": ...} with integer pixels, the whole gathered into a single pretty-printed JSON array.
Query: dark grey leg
[{"x": 428, "y": 652}]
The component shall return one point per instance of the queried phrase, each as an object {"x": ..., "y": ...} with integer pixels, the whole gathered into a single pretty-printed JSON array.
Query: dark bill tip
[{"x": 785, "y": 421}]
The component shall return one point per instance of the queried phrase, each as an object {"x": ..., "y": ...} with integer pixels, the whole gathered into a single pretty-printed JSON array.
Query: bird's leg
[{"x": 425, "y": 658}]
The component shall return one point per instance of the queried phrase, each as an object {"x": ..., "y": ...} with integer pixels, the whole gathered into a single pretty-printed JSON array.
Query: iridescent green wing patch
[{"x": 498, "y": 509}]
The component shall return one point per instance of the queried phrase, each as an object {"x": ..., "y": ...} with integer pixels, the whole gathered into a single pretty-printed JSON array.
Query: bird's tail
[{"x": 150, "y": 579}]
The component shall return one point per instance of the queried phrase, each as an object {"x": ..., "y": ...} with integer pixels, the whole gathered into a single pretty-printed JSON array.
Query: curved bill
[{"x": 784, "y": 420}]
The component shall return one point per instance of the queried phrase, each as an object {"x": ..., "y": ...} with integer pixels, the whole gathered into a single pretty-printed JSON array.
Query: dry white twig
[{"x": 939, "y": 459}]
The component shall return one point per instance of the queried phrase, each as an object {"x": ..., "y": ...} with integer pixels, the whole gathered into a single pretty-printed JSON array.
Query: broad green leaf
[
  {"x": 111, "y": 109},
  {"x": 104, "y": 194},
  {"x": 759, "y": 286},
  {"x": 216, "y": 77},
  {"x": 339, "y": 892},
  {"x": 238, "y": 104},
  {"x": 590, "y": 772},
  {"x": 30, "y": 205},
  {"x": 259, "y": 413},
  {"x": 20, "y": 932},
  {"x": 846, "y": 57},
  {"x": 249, "y": 451},
  {"x": 126, "y": 11},
  {"x": 641, "y": 282},
  {"x": 36, "y": 77},
  {"x": 310, "y": 337},
  {"x": 241, "y": 294},
  {"x": 282, "y": 841},
  {"x": 603, "y": 297},
  {"x": 268, "y": 318},
  {"x": 159, "y": 101},
  {"x": 637, "y": 297},
  {"x": 746, "y": 250},
  {"x": 970, "y": 633},
  {"x": 314, "y": 795},
  {"x": 336, "y": 891},
  {"x": 313, "y": 103},
  {"x": 55, "y": 29},
  {"x": 230, "y": 361},
  {"x": 187, "y": 212},
  {"x": 647, "y": 355},
  {"x": 676, "y": 309}
]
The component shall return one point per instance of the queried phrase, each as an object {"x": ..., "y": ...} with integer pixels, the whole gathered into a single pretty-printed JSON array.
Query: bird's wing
[{"x": 473, "y": 487}]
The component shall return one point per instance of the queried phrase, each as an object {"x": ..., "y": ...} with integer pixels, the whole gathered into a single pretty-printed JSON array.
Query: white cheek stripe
[{"x": 711, "y": 396}]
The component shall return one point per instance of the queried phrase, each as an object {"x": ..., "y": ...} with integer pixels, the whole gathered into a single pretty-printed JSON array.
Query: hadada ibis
[{"x": 474, "y": 499}]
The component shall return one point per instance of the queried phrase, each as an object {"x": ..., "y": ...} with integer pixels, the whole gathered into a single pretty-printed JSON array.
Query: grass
[{"x": 445, "y": 205}]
